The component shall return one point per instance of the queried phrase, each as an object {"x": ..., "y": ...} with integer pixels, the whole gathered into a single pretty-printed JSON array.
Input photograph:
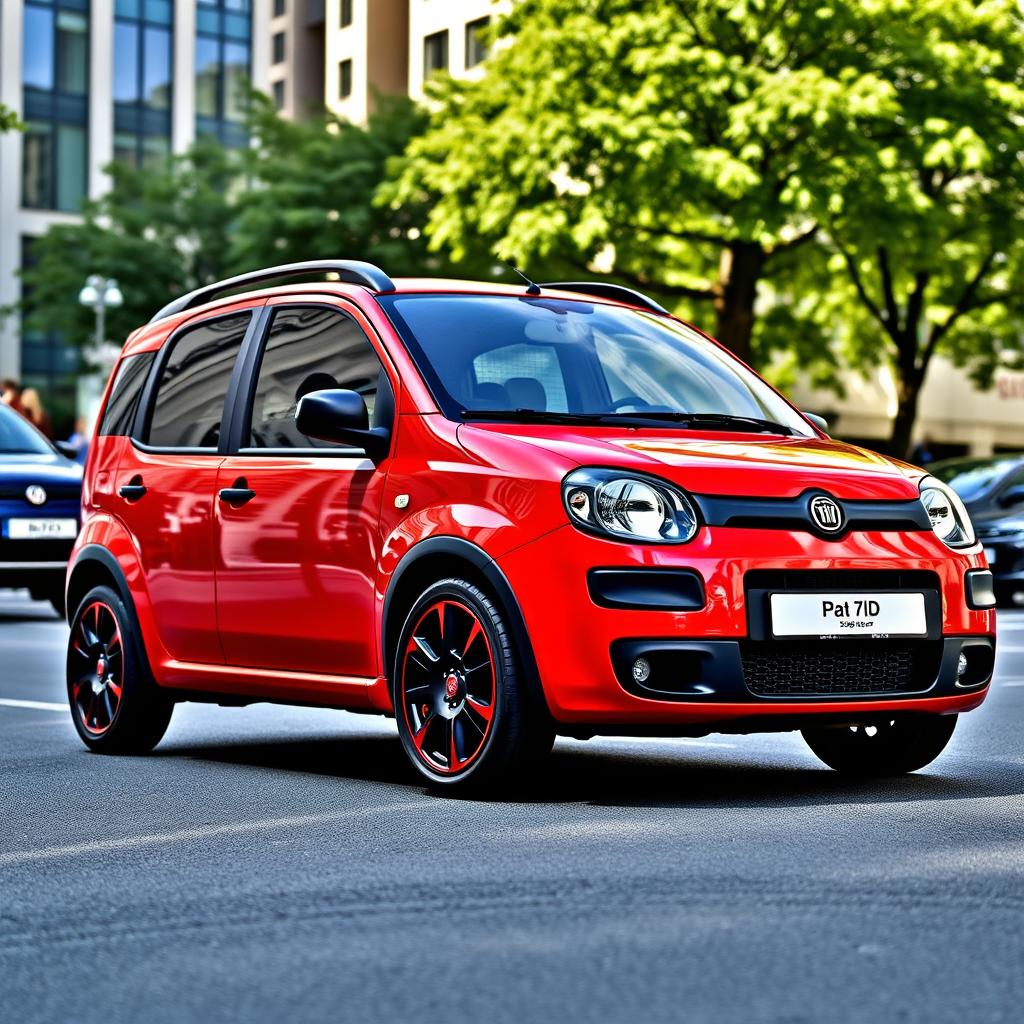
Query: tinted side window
[
  {"x": 190, "y": 396},
  {"x": 119, "y": 415},
  {"x": 309, "y": 349}
]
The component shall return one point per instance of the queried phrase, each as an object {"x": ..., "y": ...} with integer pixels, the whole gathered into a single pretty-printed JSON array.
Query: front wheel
[
  {"x": 464, "y": 717},
  {"x": 886, "y": 747},
  {"x": 116, "y": 705}
]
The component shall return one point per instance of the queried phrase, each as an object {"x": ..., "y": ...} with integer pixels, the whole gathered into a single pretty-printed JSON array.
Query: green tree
[
  {"x": 157, "y": 232},
  {"x": 8, "y": 119},
  {"x": 315, "y": 182},
  {"x": 680, "y": 142},
  {"x": 926, "y": 219}
]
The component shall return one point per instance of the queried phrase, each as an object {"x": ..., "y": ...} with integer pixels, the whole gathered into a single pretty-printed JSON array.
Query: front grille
[
  {"x": 848, "y": 579},
  {"x": 54, "y": 492},
  {"x": 831, "y": 667}
]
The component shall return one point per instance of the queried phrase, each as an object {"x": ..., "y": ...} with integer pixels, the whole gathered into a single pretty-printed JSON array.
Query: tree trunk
[
  {"x": 739, "y": 272},
  {"x": 908, "y": 391}
]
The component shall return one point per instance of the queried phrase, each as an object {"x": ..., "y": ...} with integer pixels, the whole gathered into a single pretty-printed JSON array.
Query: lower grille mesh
[{"x": 784, "y": 669}]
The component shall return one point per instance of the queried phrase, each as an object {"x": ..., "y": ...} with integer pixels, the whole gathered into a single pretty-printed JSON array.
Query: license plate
[
  {"x": 837, "y": 615},
  {"x": 42, "y": 529},
  {"x": 990, "y": 556}
]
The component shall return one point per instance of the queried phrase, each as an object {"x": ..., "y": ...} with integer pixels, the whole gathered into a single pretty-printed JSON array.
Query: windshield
[
  {"x": 971, "y": 480},
  {"x": 18, "y": 437},
  {"x": 484, "y": 355}
]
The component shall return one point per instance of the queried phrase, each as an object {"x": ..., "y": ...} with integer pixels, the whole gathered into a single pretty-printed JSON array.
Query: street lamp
[{"x": 100, "y": 293}]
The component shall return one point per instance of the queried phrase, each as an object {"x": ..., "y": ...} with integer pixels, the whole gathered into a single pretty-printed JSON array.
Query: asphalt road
[{"x": 277, "y": 864}]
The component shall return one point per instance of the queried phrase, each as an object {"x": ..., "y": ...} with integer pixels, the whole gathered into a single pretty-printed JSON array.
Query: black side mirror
[
  {"x": 340, "y": 416},
  {"x": 819, "y": 421},
  {"x": 69, "y": 451},
  {"x": 1012, "y": 496}
]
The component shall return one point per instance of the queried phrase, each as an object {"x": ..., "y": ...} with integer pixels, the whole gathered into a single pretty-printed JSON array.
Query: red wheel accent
[
  {"x": 96, "y": 668},
  {"x": 448, "y": 687}
]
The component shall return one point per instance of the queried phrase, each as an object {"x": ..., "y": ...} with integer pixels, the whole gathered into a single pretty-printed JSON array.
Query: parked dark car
[
  {"x": 40, "y": 506},
  {"x": 993, "y": 491}
]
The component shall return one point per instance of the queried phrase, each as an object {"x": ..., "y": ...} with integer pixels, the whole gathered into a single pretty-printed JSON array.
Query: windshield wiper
[
  {"x": 538, "y": 416},
  {"x": 688, "y": 419},
  {"x": 683, "y": 420}
]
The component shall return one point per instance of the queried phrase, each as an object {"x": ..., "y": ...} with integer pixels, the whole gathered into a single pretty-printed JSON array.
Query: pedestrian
[
  {"x": 33, "y": 409},
  {"x": 922, "y": 453},
  {"x": 79, "y": 440},
  {"x": 11, "y": 395}
]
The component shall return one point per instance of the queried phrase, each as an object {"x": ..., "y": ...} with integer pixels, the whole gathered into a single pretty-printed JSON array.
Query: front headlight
[
  {"x": 629, "y": 507},
  {"x": 947, "y": 513}
]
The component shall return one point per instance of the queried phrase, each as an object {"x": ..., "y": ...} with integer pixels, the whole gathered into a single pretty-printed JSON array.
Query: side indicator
[{"x": 402, "y": 501}]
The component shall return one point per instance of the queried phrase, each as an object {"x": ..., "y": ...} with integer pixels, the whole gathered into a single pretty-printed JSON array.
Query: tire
[
  {"x": 116, "y": 705},
  {"x": 883, "y": 748},
  {"x": 464, "y": 717}
]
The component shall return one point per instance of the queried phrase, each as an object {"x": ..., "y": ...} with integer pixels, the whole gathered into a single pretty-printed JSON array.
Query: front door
[
  {"x": 297, "y": 519},
  {"x": 166, "y": 482}
]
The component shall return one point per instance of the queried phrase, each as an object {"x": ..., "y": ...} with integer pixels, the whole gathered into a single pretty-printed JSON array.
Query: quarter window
[
  {"x": 119, "y": 415},
  {"x": 309, "y": 349},
  {"x": 190, "y": 397}
]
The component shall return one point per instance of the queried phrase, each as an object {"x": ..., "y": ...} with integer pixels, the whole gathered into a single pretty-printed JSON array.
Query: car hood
[
  {"x": 18, "y": 471},
  {"x": 725, "y": 464}
]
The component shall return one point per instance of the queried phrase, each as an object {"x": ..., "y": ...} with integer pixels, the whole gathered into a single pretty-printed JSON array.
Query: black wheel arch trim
[
  {"x": 98, "y": 553},
  {"x": 457, "y": 547}
]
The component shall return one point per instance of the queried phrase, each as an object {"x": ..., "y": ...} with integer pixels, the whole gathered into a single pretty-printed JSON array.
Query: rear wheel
[
  {"x": 116, "y": 706},
  {"x": 463, "y": 715},
  {"x": 886, "y": 747}
]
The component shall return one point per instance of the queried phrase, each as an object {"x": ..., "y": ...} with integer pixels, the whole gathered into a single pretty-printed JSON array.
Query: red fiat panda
[{"x": 502, "y": 514}]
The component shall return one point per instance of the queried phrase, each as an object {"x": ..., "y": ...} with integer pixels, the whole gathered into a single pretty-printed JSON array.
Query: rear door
[
  {"x": 167, "y": 479},
  {"x": 297, "y": 561}
]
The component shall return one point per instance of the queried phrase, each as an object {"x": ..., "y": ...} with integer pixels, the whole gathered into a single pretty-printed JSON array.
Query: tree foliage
[
  {"x": 680, "y": 141},
  {"x": 718, "y": 153},
  {"x": 158, "y": 232},
  {"x": 8, "y": 119},
  {"x": 924, "y": 220},
  {"x": 314, "y": 185}
]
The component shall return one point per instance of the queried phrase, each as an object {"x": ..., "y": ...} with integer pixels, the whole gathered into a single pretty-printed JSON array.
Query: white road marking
[
  {"x": 1009, "y": 649},
  {"x": 32, "y": 705},
  {"x": 238, "y": 828}
]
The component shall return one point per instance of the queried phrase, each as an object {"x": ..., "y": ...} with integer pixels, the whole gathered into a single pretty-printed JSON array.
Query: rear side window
[
  {"x": 189, "y": 401},
  {"x": 119, "y": 415},
  {"x": 309, "y": 349}
]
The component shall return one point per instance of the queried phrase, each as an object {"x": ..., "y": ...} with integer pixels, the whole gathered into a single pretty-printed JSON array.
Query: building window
[
  {"x": 278, "y": 47},
  {"x": 346, "y": 13},
  {"x": 222, "y": 71},
  {"x": 435, "y": 53},
  {"x": 278, "y": 88},
  {"x": 279, "y": 8},
  {"x": 55, "y": 77},
  {"x": 476, "y": 42},
  {"x": 143, "y": 48},
  {"x": 345, "y": 79}
]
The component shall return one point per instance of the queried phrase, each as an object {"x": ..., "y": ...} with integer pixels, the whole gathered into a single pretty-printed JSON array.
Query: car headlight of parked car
[
  {"x": 629, "y": 507},
  {"x": 950, "y": 520}
]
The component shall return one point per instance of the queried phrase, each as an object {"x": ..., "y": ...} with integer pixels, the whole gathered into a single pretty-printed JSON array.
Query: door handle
[
  {"x": 133, "y": 490},
  {"x": 238, "y": 494}
]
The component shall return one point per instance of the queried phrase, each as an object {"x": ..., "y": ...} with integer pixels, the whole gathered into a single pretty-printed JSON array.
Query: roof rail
[
  {"x": 609, "y": 291},
  {"x": 349, "y": 271}
]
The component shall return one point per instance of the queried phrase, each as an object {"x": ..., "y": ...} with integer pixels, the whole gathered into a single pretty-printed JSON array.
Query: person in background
[
  {"x": 11, "y": 395},
  {"x": 922, "y": 453},
  {"x": 80, "y": 440},
  {"x": 32, "y": 407}
]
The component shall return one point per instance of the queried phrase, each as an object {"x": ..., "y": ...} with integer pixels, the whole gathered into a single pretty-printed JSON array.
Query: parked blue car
[{"x": 40, "y": 509}]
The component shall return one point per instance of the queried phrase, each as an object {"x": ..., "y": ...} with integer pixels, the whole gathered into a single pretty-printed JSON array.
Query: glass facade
[
  {"x": 55, "y": 79},
  {"x": 223, "y": 57},
  {"x": 143, "y": 60}
]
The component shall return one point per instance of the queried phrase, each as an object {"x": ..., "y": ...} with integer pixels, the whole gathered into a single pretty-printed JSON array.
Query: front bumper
[{"x": 582, "y": 648}]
